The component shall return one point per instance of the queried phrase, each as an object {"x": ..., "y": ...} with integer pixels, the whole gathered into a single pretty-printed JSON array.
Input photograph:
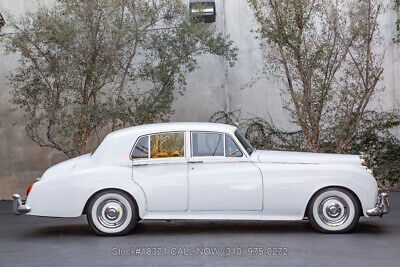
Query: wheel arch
[{"x": 139, "y": 209}]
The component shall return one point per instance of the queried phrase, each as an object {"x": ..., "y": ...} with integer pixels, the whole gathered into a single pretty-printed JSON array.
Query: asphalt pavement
[{"x": 39, "y": 241}]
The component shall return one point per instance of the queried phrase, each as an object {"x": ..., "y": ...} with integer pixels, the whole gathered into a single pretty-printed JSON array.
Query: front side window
[
  {"x": 207, "y": 144},
  {"x": 141, "y": 150},
  {"x": 231, "y": 149},
  {"x": 166, "y": 145}
]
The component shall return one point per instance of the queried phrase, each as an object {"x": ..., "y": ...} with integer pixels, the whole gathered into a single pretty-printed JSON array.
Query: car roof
[{"x": 174, "y": 126}]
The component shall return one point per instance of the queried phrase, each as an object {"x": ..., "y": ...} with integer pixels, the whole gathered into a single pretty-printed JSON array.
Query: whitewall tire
[
  {"x": 112, "y": 212},
  {"x": 334, "y": 210}
]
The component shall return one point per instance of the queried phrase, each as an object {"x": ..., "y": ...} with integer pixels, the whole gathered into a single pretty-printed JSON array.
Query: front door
[
  {"x": 221, "y": 177},
  {"x": 161, "y": 171}
]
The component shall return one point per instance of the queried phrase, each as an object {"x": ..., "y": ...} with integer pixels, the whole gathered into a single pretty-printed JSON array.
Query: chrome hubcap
[
  {"x": 333, "y": 211},
  {"x": 111, "y": 213}
]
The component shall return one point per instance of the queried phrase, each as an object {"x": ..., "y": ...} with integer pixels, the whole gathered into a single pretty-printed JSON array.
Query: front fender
[
  {"x": 67, "y": 196},
  {"x": 289, "y": 187}
]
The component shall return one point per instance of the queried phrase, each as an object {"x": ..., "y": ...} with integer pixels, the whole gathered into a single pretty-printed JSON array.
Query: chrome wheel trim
[
  {"x": 111, "y": 213},
  {"x": 333, "y": 211},
  {"x": 105, "y": 216},
  {"x": 327, "y": 220}
]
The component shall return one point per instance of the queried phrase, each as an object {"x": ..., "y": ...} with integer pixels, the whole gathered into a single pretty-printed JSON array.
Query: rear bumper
[
  {"x": 18, "y": 208},
  {"x": 382, "y": 205}
]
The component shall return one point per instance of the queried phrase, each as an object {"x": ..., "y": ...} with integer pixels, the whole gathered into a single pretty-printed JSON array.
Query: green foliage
[
  {"x": 99, "y": 65},
  {"x": 376, "y": 140}
]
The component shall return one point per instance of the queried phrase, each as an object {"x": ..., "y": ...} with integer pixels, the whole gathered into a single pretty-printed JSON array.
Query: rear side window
[
  {"x": 207, "y": 144},
  {"x": 166, "y": 145},
  {"x": 141, "y": 150},
  {"x": 231, "y": 149}
]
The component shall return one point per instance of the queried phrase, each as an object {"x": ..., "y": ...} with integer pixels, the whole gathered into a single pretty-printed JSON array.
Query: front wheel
[
  {"x": 112, "y": 212},
  {"x": 334, "y": 210}
]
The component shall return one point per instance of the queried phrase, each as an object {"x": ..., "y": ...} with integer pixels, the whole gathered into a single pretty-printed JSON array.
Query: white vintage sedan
[{"x": 207, "y": 171}]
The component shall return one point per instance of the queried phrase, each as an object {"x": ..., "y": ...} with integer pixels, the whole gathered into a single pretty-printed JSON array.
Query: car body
[{"x": 200, "y": 171}]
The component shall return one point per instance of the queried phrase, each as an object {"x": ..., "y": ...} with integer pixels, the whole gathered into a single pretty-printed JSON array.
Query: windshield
[{"x": 244, "y": 142}]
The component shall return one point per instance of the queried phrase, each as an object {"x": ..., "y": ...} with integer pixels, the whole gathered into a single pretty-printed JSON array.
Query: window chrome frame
[
  {"x": 244, "y": 155},
  {"x": 149, "y": 144}
]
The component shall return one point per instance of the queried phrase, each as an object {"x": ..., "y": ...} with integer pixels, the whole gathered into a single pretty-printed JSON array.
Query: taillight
[{"x": 29, "y": 189}]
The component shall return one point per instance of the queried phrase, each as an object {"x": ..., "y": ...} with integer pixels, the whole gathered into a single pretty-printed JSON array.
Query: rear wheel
[
  {"x": 112, "y": 212},
  {"x": 334, "y": 210}
]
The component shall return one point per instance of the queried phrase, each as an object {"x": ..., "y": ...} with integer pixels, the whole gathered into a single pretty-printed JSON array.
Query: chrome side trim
[
  {"x": 18, "y": 208},
  {"x": 382, "y": 206}
]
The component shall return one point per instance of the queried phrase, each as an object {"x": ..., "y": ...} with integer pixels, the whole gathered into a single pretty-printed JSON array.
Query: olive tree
[
  {"x": 92, "y": 66},
  {"x": 327, "y": 57}
]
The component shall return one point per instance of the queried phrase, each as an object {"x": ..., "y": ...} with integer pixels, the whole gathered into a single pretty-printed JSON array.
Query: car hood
[
  {"x": 265, "y": 156},
  {"x": 63, "y": 168}
]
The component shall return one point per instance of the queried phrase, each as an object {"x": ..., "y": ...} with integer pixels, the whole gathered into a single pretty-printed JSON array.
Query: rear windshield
[{"x": 244, "y": 142}]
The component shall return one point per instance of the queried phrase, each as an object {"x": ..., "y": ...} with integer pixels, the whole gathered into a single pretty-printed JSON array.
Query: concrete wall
[
  {"x": 21, "y": 160},
  {"x": 211, "y": 88},
  {"x": 208, "y": 90}
]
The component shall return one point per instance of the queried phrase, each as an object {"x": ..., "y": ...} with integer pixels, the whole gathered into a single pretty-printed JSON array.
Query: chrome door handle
[
  {"x": 126, "y": 164},
  {"x": 140, "y": 164},
  {"x": 195, "y": 161}
]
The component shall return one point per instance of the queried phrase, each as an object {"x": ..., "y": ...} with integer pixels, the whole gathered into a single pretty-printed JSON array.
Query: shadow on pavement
[{"x": 176, "y": 228}]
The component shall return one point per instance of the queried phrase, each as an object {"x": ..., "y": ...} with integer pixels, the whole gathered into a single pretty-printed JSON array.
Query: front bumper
[
  {"x": 18, "y": 208},
  {"x": 382, "y": 205}
]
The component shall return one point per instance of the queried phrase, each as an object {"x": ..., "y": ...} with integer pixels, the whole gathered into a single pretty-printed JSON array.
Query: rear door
[
  {"x": 160, "y": 168},
  {"x": 221, "y": 177}
]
